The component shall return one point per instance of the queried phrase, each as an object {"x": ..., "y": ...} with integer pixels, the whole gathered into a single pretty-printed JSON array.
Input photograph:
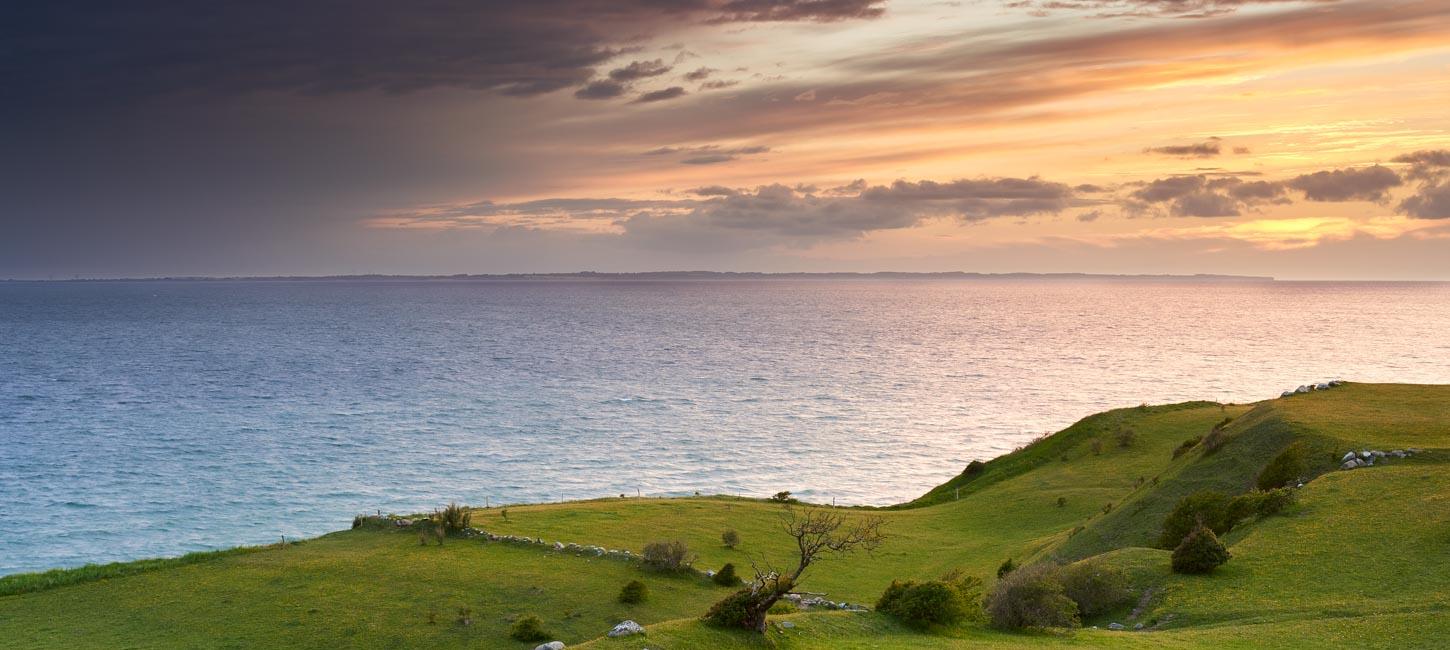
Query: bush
[
  {"x": 1215, "y": 509},
  {"x": 1126, "y": 437},
  {"x": 1097, "y": 446},
  {"x": 1200, "y": 552},
  {"x": 1286, "y": 468},
  {"x": 1006, "y": 568},
  {"x": 453, "y": 518},
  {"x": 784, "y": 497},
  {"x": 1186, "y": 446},
  {"x": 730, "y": 538},
  {"x": 1262, "y": 503},
  {"x": 1216, "y": 438},
  {"x": 1061, "y": 501},
  {"x": 528, "y": 628},
  {"x": 1095, "y": 588},
  {"x": 782, "y": 607},
  {"x": 923, "y": 603},
  {"x": 726, "y": 577},
  {"x": 633, "y": 593},
  {"x": 668, "y": 556},
  {"x": 733, "y": 612},
  {"x": 974, "y": 468},
  {"x": 1031, "y": 597}
]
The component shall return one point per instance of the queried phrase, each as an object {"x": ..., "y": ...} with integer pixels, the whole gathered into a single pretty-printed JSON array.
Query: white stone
[
  {"x": 1347, "y": 457},
  {"x": 552, "y": 645},
  {"x": 626, "y": 628},
  {"x": 1116, "y": 626},
  {"x": 787, "y": 625}
]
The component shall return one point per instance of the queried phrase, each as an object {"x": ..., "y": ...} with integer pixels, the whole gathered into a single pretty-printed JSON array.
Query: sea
[{"x": 154, "y": 418}]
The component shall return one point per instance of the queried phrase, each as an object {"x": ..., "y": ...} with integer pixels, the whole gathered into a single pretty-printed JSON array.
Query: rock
[
  {"x": 1286, "y": 393},
  {"x": 1363, "y": 453},
  {"x": 552, "y": 645},
  {"x": 1347, "y": 457},
  {"x": 1138, "y": 626},
  {"x": 710, "y": 573},
  {"x": 787, "y": 625},
  {"x": 404, "y": 523},
  {"x": 1116, "y": 626},
  {"x": 1351, "y": 464},
  {"x": 1302, "y": 389},
  {"x": 558, "y": 546},
  {"x": 1377, "y": 453},
  {"x": 627, "y": 628},
  {"x": 1322, "y": 387}
]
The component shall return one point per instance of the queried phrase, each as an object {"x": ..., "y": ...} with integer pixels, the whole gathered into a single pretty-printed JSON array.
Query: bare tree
[{"x": 819, "y": 534}]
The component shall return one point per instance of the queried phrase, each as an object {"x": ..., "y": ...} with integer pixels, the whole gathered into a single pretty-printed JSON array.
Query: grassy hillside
[{"x": 1362, "y": 560}]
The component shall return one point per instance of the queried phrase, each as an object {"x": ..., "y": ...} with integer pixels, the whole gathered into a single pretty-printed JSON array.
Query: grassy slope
[{"x": 1362, "y": 560}]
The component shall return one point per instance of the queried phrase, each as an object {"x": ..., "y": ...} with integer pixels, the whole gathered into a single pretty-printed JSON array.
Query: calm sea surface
[{"x": 155, "y": 418}]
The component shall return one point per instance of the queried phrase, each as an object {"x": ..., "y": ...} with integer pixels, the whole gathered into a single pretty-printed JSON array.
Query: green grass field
[{"x": 1363, "y": 559}]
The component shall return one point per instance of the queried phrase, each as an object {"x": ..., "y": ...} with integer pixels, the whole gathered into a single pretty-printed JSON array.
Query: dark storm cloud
[
  {"x": 1169, "y": 8},
  {"x": 639, "y": 70},
  {"x": 699, "y": 74},
  {"x": 602, "y": 89},
  {"x": 1203, "y": 195},
  {"x": 660, "y": 95},
  {"x": 77, "y": 54},
  {"x": 1426, "y": 164},
  {"x": 1206, "y": 149},
  {"x": 1365, "y": 184},
  {"x": 709, "y": 154},
  {"x": 976, "y": 199},
  {"x": 799, "y": 10}
]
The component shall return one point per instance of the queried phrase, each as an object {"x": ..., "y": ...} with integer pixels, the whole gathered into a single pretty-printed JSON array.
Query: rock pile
[
  {"x": 808, "y": 601},
  {"x": 627, "y": 628},
  {"x": 1309, "y": 388},
  {"x": 1367, "y": 457}
]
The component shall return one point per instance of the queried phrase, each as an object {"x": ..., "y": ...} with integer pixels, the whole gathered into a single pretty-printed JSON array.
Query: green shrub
[
  {"x": 1061, "y": 501},
  {"x": 1097, "y": 446},
  {"x": 1286, "y": 468},
  {"x": 1006, "y": 568},
  {"x": 633, "y": 593},
  {"x": 1275, "y": 501},
  {"x": 730, "y": 538},
  {"x": 1186, "y": 446},
  {"x": 782, "y": 607},
  {"x": 1215, "y": 509},
  {"x": 1031, "y": 597},
  {"x": 1216, "y": 438},
  {"x": 732, "y": 612},
  {"x": 453, "y": 518},
  {"x": 1126, "y": 437},
  {"x": 668, "y": 556},
  {"x": 974, "y": 468},
  {"x": 726, "y": 577},
  {"x": 924, "y": 603},
  {"x": 1095, "y": 588},
  {"x": 1200, "y": 552},
  {"x": 528, "y": 628}
]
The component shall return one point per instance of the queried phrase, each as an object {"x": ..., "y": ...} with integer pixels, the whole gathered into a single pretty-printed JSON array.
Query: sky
[{"x": 1297, "y": 139}]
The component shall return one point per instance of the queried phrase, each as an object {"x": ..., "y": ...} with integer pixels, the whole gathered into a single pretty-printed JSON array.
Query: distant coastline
[{"x": 647, "y": 276}]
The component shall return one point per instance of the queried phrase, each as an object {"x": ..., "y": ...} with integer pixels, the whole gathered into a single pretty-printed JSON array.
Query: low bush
[
  {"x": 1031, "y": 597},
  {"x": 1061, "y": 501},
  {"x": 974, "y": 468},
  {"x": 1216, "y": 438},
  {"x": 1285, "y": 469},
  {"x": 1262, "y": 503},
  {"x": 528, "y": 628},
  {"x": 1215, "y": 509},
  {"x": 668, "y": 556},
  {"x": 732, "y": 612},
  {"x": 782, "y": 607},
  {"x": 1095, "y": 588},
  {"x": 784, "y": 497},
  {"x": 726, "y": 577},
  {"x": 1126, "y": 437},
  {"x": 730, "y": 538},
  {"x": 1097, "y": 446},
  {"x": 923, "y": 603},
  {"x": 453, "y": 518},
  {"x": 1200, "y": 552},
  {"x": 1186, "y": 446},
  {"x": 633, "y": 593},
  {"x": 1005, "y": 568}
]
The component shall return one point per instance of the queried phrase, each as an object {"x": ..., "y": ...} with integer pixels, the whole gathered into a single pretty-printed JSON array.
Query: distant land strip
[{"x": 688, "y": 275}]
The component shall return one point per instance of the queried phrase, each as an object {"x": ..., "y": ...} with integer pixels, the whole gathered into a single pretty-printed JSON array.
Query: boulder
[
  {"x": 1364, "y": 453},
  {"x": 1377, "y": 453},
  {"x": 1350, "y": 464},
  {"x": 627, "y": 628},
  {"x": 552, "y": 645},
  {"x": 1347, "y": 457},
  {"x": 1322, "y": 387},
  {"x": 1302, "y": 389},
  {"x": 787, "y": 625},
  {"x": 558, "y": 546},
  {"x": 1116, "y": 626},
  {"x": 1286, "y": 393}
]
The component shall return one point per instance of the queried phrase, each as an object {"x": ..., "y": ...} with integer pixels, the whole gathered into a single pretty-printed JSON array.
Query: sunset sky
[{"x": 1299, "y": 139}]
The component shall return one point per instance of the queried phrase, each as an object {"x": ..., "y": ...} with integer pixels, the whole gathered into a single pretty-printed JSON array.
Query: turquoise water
[{"x": 154, "y": 418}]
